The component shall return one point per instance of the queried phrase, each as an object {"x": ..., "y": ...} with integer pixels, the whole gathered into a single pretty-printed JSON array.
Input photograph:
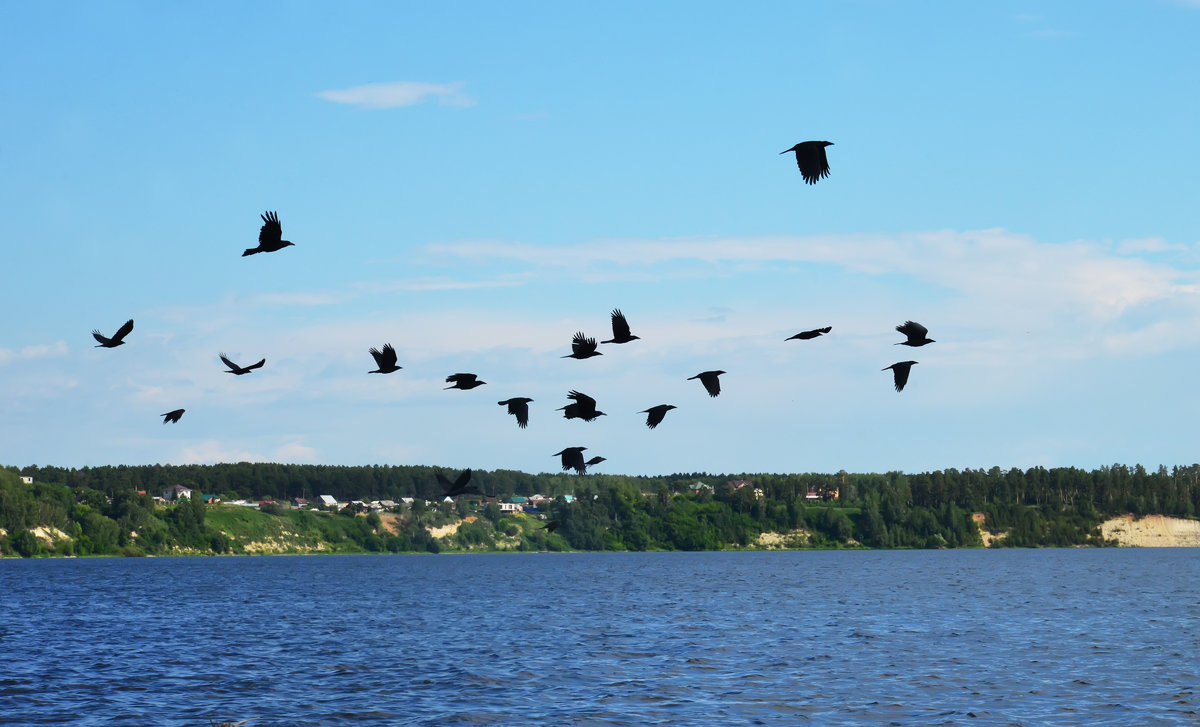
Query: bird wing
[
  {"x": 460, "y": 378},
  {"x": 813, "y": 163},
  {"x": 124, "y": 330},
  {"x": 581, "y": 344},
  {"x": 655, "y": 415},
  {"x": 96, "y": 334},
  {"x": 389, "y": 355},
  {"x": 915, "y": 331},
  {"x": 711, "y": 383},
  {"x": 258, "y": 365},
  {"x": 520, "y": 409},
  {"x": 271, "y": 232},
  {"x": 583, "y": 400},
  {"x": 620, "y": 326},
  {"x": 229, "y": 363}
]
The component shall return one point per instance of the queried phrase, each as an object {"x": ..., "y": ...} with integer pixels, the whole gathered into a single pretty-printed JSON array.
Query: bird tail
[{"x": 249, "y": 251}]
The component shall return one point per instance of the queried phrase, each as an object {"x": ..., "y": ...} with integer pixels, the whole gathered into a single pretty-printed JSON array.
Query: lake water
[{"x": 1012, "y": 637}]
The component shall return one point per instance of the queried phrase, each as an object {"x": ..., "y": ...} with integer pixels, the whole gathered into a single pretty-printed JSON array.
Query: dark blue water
[{"x": 1033, "y": 637}]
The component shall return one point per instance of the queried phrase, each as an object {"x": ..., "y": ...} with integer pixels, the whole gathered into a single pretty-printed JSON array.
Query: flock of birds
[{"x": 814, "y": 165}]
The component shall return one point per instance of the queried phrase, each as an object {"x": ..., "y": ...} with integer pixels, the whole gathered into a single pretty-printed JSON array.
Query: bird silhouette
[
  {"x": 900, "y": 373},
  {"x": 172, "y": 416},
  {"x": 460, "y": 485},
  {"x": 239, "y": 370},
  {"x": 656, "y": 414},
  {"x": 518, "y": 406},
  {"x": 583, "y": 347},
  {"x": 463, "y": 381},
  {"x": 583, "y": 407},
  {"x": 118, "y": 337},
  {"x": 572, "y": 459},
  {"x": 917, "y": 334},
  {"x": 620, "y": 329},
  {"x": 806, "y": 335},
  {"x": 552, "y": 525},
  {"x": 594, "y": 461},
  {"x": 270, "y": 236},
  {"x": 810, "y": 157},
  {"x": 385, "y": 360},
  {"x": 709, "y": 378}
]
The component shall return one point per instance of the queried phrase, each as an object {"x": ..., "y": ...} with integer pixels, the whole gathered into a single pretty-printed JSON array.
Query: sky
[{"x": 474, "y": 182}]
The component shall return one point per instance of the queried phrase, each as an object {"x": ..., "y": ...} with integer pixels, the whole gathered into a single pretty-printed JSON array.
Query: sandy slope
[{"x": 1152, "y": 531}]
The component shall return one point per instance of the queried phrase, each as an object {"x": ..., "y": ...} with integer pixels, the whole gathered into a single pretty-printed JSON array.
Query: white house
[
  {"x": 328, "y": 501},
  {"x": 177, "y": 492},
  {"x": 26, "y": 480}
]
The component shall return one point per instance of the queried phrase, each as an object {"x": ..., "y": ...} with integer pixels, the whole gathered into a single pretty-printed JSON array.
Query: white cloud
[
  {"x": 41, "y": 350},
  {"x": 399, "y": 93}
]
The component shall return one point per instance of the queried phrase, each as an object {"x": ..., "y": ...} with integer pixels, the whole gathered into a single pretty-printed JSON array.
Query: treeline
[{"x": 101, "y": 510}]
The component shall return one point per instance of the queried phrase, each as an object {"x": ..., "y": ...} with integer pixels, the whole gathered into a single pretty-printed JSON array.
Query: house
[
  {"x": 328, "y": 501},
  {"x": 299, "y": 502},
  {"x": 697, "y": 487},
  {"x": 387, "y": 504},
  {"x": 177, "y": 492},
  {"x": 26, "y": 480},
  {"x": 210, "y": 499},
  {"x": 510, "y": 507},
  {"x": 819, "y": 492}
]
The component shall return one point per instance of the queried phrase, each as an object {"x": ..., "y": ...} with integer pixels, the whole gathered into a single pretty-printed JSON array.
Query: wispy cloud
[
  {"x": 31, "y": 352},
  {"x": 398, "y": 94}
]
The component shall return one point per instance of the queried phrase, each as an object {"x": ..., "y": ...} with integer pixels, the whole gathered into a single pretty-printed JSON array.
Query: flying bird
[
  {"x": 385, "y": 360},
  {"x": 917, "y": 334},
  {"x": 710, "y": 381},
  {"x": 810, "y": 157},
  {"x": 656, "y": 414},
  {"x": 463, "y": 381},
  {"x": 239, "y": 370},
  {"x": 460, "y": 485},
  {"x": 594, "y": 461},
  {"x": 582, "y": 347},
  {"x": 270, "y": 235},
  {"x": 583, "y": 407},
  {"x": 172, "y": 416},
  {"x": 518, "y": 406},
  {"x": 806, "y": 335},
  {"x": 551, "y": 525},
  {"x": 572, "y": 459},
  {"x": 118, "y": 337},
  {"x": 620, "y": 328},
  {"x": 900, "y": 372}
]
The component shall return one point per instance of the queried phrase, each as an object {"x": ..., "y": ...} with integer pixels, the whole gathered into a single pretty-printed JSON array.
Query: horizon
[{"x": 476, "y": 198}]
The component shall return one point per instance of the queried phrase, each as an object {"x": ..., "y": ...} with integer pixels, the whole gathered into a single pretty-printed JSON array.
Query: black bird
[
  {"x": 460, "y": 485},
  {"x": 584, "y": 407},
  {"x": 572, "y": 459},
  {"x": 709, "y": 379},
  {"x": 518, "y": 406},
  {"x": 463, "y": 381},
  {"x": 118, "y": 337},
  {"x": 620, "y": 328},
  {"x": 385, "y": 360},
  {"x": 806, "y": 335},
  {"x": 594, "y": 461},
  {"x": 270, "y": 235},
  {"x": 551, "y": 525},
  {"x": 172, "y": 416},
  {"x": 917, "y": 334},
  {"x": 583, "y": 347},
  {"x": 810, "y": 157},
  {"x": 656, "y": 414},
  {"x": 239, "y": 370},
  {"x": 900, "y": 372}
]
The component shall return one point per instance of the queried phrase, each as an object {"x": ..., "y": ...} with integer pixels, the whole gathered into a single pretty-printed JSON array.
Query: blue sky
[{"x": 474, "y": 182}]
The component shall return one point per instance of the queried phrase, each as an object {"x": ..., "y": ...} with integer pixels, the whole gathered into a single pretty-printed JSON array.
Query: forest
[{"x": 112, "y": 510}]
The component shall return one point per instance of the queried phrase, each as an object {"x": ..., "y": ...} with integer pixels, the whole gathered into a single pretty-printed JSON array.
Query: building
[
  {"x": 328, "y": 501},
  {"x": 177, "y": 492}
]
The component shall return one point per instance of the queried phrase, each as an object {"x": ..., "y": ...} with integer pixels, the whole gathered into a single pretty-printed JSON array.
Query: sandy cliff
[{"x": 1152, "y": 531}]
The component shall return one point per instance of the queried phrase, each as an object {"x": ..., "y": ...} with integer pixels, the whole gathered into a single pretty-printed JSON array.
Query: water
[{"x": 1030, "y": 637}]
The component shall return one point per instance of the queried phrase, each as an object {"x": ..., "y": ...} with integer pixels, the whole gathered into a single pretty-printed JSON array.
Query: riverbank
[{"x": 1152, "y": 531}]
